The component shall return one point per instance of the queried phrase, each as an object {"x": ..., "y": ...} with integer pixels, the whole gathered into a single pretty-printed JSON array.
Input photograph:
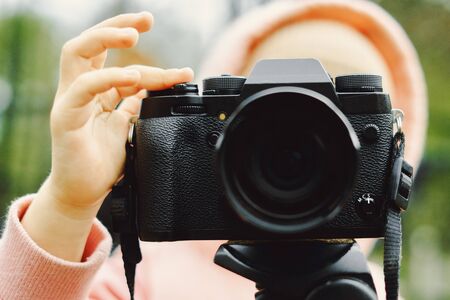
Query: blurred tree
[
  {"x": 427, "y": 23},
  {"x": 28, "y": 64}
]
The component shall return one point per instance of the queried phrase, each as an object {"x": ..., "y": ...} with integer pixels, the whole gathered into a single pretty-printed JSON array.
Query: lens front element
[{"x": 287, "y": 159}]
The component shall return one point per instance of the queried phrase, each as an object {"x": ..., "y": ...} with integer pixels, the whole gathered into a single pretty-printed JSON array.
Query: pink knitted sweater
[{"x": 181, "y": 270}]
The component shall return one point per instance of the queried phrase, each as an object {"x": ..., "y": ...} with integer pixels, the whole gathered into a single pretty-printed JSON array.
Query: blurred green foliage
[
  {"x": 28, "y": 61},
  {"x": 428, "y": 24}
]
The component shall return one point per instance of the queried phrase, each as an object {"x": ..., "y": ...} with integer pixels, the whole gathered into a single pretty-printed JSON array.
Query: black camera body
[{"x": 284, "y": 154}]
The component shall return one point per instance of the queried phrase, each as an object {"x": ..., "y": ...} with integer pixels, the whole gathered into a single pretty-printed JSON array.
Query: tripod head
[{"x": 312, "y": 270}]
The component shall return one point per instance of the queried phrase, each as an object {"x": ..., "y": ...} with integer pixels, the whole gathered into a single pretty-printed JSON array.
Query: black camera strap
[
  {"x": 123, "y": 212},
  {"x": 398, "y": 194},
  {"x": 392, "y": 253}
]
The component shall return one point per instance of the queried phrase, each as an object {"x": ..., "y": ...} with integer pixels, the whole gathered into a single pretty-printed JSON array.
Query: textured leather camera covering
[
  {"x": 178, "y": 190},
  {"x": 180, "y": 195},
  {"x": 372, "y": 177}
]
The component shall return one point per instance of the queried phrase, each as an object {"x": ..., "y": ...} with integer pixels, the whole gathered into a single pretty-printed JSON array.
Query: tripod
[{"x": 310, "y": 270}]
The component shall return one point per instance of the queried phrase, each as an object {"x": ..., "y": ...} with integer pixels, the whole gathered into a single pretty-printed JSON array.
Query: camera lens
[
  {"x": 282, "y": 165},
  {"x": 286, "y": 168},
  {"x": 287, "y": 159},
  {"x": 287, "y": 164}
]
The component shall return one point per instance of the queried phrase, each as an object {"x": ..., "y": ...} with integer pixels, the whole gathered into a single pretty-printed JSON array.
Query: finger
[
  {"x": 112, "y": 97},
  {"x": 131, "y": 105},
  {"x": 98, "y": 62},
  {"x": 154, "y": 79},
  {"x": 94, "y": 42},
  {"x": 142, "y": 21},
  {"x": 88, "y": 85},
  {"x": 151, "y": 79},
  {"x": 76, "y": 53}
]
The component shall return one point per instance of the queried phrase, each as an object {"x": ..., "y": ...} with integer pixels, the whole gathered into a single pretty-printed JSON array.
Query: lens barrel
[{"x": 287, "y": 159}]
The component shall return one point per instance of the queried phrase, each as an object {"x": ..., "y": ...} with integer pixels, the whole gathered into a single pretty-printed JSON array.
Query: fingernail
[
  {"x": 129, "y": 31},
  {"x": 187, "y": 69}
]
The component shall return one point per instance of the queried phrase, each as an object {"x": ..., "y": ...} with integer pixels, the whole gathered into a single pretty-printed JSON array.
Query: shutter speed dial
[
  {"x": 359, "y": 83},
  {"x": 180, "y": 89},
  {"x": 223, "y": 85}
]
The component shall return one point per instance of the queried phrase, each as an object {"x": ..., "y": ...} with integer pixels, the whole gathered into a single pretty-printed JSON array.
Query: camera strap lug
[
  {"x": 123, "y": 212},
  {"x": 400, "y": 183},
  {"x": 398, "y": 192},
  {"x": 398, "y": 115}
]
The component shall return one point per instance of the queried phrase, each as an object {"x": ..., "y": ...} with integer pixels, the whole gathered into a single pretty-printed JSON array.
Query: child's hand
[{"x": 88, "y": 133}]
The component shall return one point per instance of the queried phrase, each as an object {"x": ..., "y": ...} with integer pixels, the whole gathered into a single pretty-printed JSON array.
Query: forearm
[
  {"x": 61, "y": 231},
  {"x": 29, "y": 272}
]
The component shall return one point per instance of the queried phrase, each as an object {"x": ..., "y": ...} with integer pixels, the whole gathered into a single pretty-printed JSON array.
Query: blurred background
[{"x": 31, "y": 36}]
